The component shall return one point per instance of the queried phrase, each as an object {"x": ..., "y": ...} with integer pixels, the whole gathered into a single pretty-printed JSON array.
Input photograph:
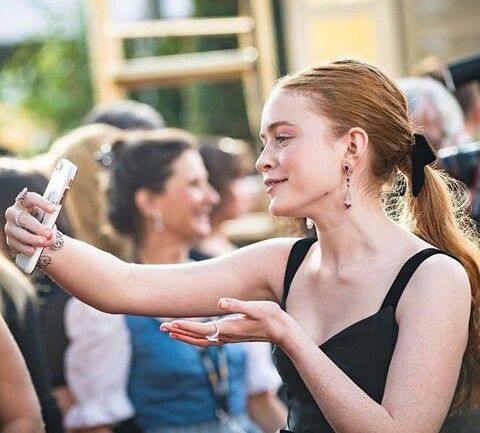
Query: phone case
[{"x": 56, "y": 192}]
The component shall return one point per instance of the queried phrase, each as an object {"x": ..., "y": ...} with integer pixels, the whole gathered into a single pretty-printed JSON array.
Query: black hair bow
[{"x": 422, "y": 155}]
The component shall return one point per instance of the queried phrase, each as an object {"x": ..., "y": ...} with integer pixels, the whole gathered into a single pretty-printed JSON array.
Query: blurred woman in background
[
  {"x": 86, "y": 202},
  {"x": 160, "y": 195},
  {"x": 436, "y": 111},
  {"x": 229, "y": 163}
]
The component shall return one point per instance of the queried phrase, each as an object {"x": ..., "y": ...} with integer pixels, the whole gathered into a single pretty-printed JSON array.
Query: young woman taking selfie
[{"x": 375, "y": 323}]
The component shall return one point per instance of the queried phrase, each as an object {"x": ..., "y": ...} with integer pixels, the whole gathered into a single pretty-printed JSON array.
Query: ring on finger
[
  {"x": 21, "y": 196},
  {"x": 213, "y": 338},
  {"x": 18, "y": 221},
  {"x": 34, "y": 212}
]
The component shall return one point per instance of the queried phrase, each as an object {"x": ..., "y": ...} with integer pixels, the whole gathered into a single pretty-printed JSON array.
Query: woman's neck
[
  {"x": 162, "y": 247},
  {"x": 355, "y": 234}
]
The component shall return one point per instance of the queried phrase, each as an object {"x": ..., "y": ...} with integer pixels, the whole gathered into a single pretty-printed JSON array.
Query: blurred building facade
[{"x": 393, "y": 34}]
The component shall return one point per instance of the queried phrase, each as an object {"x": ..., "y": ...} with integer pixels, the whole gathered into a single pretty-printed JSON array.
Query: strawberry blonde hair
[{"x": 354, "y": 94}]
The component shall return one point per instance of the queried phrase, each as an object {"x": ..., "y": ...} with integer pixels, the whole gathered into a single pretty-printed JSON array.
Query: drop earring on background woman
[
  {"x": 158, "y": 222},
  {"x": 348, "y": 195},
  {"x": 309, "y": 224}
]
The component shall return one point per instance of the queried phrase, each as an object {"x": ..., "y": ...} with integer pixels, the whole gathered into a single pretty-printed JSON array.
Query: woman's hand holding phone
[
  {"x": 24, "y": 233},
  {"x": 31, "y": 220}
]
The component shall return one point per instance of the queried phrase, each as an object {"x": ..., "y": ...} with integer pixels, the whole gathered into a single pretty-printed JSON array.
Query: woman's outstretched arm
[{"x": 181, "y": 290}]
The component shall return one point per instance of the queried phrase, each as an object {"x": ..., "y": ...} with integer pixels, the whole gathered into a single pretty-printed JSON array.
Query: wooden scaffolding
[{"x": 253, "y": 62}]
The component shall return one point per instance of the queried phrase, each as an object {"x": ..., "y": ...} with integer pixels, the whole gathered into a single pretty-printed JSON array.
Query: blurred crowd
[{"x": 148, "y": 193}]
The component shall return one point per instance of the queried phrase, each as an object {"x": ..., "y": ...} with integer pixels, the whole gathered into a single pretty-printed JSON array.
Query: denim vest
[{"x": 168, "y": 385}]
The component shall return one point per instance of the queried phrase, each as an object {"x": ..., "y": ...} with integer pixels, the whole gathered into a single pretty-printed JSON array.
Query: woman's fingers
[
  {"x": 17, "y": 217},
  {"x": 30, "y": 223},
  {"x": 180, "y": 334},
  {"x": 186, "y": 326},
  {"x": 180, "y": 331},
  {"x": 29, "y": 233},
  {"x": 32, "y": 200},
  {"x": 19, "y": 247},
  {"x": 233, "y": 328},
  {"x": 249, "y": 308},
  {"x": 201, "y": 342},
  {"x": 245, "y": 321}
]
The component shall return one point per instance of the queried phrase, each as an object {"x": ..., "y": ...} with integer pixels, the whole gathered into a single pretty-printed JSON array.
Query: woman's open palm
[{"x": 246, "y": 321}]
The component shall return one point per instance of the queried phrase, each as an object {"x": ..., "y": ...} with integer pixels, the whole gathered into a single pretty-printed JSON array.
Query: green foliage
[
  {"x": 212, "y": 108},
  {"x": 168, "y": 101},
  {"x": 216, "y": 108},
  {"x": 50, "y": 79}
]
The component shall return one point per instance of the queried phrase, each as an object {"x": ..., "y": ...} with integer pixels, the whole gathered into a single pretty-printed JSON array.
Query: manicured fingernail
[
  {"x": 173, "y": 336},
  {"x": 223, "y": 304}
]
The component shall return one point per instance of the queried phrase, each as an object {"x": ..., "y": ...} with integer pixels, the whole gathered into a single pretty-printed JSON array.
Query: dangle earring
[
  {"x": 348, "y": 195},
  {"x": 158, "y": 222},
  {"x": 309, "y": 223}
]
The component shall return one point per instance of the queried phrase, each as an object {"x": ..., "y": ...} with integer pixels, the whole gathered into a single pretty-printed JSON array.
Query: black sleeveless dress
[{"x": 363, "y": 350}]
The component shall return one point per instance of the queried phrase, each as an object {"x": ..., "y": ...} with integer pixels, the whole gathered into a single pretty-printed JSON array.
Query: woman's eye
[{"x": 281, "y": 138}]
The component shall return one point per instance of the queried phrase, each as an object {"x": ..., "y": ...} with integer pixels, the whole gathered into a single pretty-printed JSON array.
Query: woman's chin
[
  {"x": 276, "y": 208},
  {"x": 204, "y": 229}
]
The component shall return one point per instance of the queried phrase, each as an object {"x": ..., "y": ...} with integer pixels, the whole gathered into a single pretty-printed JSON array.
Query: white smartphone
[{"x": 56, "y": 192}]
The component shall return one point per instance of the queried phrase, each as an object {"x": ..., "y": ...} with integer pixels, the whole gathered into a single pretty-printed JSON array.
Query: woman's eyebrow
[{"x": 274, "y": 125}]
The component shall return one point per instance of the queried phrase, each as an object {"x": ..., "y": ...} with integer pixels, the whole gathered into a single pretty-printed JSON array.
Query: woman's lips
[{"x": 272, "y": 184}]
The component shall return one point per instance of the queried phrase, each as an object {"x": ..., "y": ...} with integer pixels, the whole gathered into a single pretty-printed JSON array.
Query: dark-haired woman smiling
[{"x": 159, "y": 195}]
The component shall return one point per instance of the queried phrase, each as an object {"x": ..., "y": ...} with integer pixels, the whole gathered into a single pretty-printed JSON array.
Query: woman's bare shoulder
[
  {"x": 275, "y": 251},
  {"x": 270, "y": 258},
  {"x": 438, "y": 270},
  {"x": 280, "y": 245},
  {"x": 441, "y": 281}
]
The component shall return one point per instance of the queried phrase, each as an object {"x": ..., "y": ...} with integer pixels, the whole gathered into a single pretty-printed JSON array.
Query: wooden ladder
[{"x": 253, "y": 62}]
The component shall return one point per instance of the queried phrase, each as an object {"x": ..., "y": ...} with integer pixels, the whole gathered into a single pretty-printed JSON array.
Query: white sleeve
[
  {"x": 97, "y": 365},
  {"x": 261, "y": 373}
]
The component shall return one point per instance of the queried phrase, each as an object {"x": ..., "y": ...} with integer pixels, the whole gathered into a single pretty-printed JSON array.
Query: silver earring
[
  {"x": 309, "y": 223},
  {"x": 348, "y": 195},
  {"x": 158, "y": 222}
]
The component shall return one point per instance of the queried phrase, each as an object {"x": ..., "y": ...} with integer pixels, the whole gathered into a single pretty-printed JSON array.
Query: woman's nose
[
  {"x": 265, "y": 161},
  {"x": 212, "y": 195}
]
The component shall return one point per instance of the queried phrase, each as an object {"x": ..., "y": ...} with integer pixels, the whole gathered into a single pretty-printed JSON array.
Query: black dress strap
[
  {"x": 297, "y": 254},
  {"x": 406, "y": 272}
]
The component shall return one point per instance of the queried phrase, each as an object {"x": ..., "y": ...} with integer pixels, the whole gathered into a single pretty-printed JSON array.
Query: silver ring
[
  {"x": 17, "y": 218},
  {"x": 213, "y": 338},
  {"x": 21, "y": 196}
]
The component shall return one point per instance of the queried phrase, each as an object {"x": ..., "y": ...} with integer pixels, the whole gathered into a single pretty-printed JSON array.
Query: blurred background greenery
[
  {"x": 45, "y": 76},
  {"x": 45, "y": 87}
]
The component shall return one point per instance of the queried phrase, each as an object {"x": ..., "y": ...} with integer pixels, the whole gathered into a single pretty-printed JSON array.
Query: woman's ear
[
  {"x": 145, "y": 202},
  {"x": 357, "y": 145}
]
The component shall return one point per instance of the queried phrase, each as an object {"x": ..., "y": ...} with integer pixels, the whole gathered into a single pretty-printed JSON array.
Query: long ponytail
[{"x": 439, "y": 216}]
